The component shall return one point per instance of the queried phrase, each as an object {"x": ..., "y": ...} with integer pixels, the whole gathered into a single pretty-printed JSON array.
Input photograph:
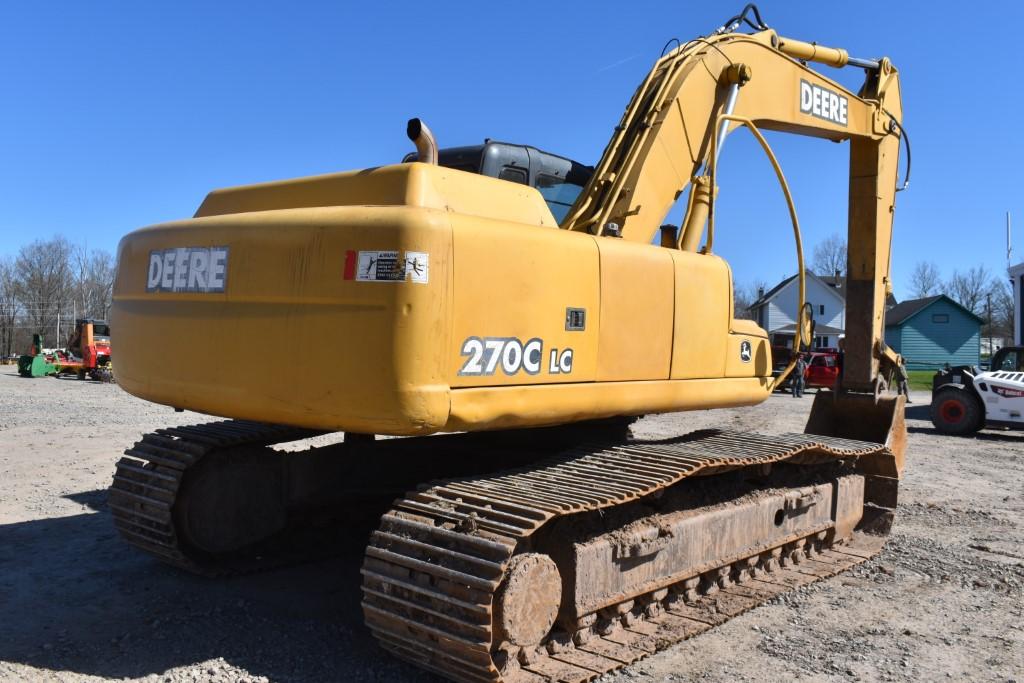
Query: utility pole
[
  {"x": 1015, "y": 324},
  {"x": 988, "y": 306},
  {"x": 1009, "y": 242}
]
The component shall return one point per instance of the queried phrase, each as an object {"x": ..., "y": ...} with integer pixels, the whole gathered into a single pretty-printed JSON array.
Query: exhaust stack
[{"x": 426, "y": 144}]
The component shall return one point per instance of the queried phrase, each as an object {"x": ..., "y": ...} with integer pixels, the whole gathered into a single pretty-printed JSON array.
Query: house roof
[
  {"x": 770, "y": 294},
  {"x": 901, "y": 312},
  {"x": 833, "y": 280},
  {"x": 774, "y": 291},
  {"x": 836, "y": 284}
]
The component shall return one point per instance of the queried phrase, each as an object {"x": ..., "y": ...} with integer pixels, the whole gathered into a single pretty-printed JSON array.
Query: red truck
[{"x": 822, "y": 367}]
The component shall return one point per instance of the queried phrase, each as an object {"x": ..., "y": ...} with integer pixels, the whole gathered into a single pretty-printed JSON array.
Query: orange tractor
[{"x": 87, "y": 354}]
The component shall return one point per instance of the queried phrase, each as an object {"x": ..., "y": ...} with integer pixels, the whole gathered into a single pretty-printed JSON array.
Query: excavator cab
[{"x": 558, "y": 179}]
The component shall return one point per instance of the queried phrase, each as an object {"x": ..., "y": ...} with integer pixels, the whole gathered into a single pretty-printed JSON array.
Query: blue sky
[{"x": 117, "y": 115}]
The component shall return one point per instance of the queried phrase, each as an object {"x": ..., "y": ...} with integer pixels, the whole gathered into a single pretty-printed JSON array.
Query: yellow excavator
[{"x": 536, "y": 540}]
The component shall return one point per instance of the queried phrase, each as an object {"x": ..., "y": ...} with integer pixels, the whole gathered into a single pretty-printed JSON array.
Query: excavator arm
[{"x": 678, "y": 120}]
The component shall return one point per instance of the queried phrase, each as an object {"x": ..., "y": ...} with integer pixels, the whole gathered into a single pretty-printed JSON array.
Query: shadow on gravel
[
  {"x": 75, "y": 598},
  {"x": 1007, "y": 436},
  {"x": 923, "y": 412},
  {"x": 918, "y": 411},
  {"x": 68, "y": 379},
  {"x": 94, "y": 500}
]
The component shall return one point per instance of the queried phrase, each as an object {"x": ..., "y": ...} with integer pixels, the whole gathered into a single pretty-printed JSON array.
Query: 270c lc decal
[{"x": 484, "y": 355}]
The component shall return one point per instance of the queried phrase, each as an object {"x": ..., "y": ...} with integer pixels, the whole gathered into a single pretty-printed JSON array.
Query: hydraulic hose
[{"x": 802, "y": 332}]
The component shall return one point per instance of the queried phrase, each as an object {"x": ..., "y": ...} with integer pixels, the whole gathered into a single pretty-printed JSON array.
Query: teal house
[{"x": 934, "y": 331}]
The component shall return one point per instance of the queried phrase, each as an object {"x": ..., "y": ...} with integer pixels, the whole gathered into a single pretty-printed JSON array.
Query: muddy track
[
  {"x": 160, "y": 478},
  {"x": 435, "y": 568},
  {"x": 149, "y": 477}
]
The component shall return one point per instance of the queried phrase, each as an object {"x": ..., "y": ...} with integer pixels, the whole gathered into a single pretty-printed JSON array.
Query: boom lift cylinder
[{"x": 697, "y": 216}]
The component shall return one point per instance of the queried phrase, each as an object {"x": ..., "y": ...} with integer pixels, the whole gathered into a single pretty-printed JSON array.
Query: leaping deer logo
[{"x": 745, "y": 351}]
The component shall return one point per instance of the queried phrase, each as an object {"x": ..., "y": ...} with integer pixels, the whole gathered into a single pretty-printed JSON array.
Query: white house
[
  {"x": 1017, "y": 278},
  {"x": 776, "y": 310}
]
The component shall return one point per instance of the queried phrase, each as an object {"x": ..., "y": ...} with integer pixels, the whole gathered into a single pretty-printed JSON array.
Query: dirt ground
[{"x": 944, "y": 601}]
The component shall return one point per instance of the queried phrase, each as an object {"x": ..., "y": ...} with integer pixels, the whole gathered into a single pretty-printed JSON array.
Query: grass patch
[{"x": 921, "y": 380}]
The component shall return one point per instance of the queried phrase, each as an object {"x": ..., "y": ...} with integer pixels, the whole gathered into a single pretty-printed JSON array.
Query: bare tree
[
  {"x": 9, "y": 307},
  {"x": 970, "y": 288},
  {"x": 48, "y": 285},
  {"x": 830, "y": 257},
  {"x": 94, "y": 282},
  {"x": 1002, "y": 309},
  {"x": 744, "y": 296},
  {"x": 44, "y": 283},
  {"x": 925, "y": 281}
]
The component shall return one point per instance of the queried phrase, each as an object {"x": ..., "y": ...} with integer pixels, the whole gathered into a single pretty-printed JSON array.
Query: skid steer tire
[{"x": 957, "y": 412}]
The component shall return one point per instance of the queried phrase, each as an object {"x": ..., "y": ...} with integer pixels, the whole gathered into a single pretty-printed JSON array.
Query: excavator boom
[{"x": 663, "y": 147}]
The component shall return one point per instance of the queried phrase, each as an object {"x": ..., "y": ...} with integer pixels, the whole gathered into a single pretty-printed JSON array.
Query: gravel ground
[{"x": 944, "y": 600}]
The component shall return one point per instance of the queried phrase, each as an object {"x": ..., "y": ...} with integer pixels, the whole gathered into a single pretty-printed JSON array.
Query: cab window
[
  {"x": 513, "y": 174},
  {"x": 558, "y": 193},
  {"x": 1011, "y": 362}
]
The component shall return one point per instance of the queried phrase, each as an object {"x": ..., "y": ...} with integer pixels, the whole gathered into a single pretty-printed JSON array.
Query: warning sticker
[
  {"x": 387, "y": 266},
  {"x": 417, "y": 266}
]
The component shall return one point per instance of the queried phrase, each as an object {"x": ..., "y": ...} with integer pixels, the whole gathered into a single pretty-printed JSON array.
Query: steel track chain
[
  {"x": 433, "y": 569},
  {"x": 148, "y": 479}
]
